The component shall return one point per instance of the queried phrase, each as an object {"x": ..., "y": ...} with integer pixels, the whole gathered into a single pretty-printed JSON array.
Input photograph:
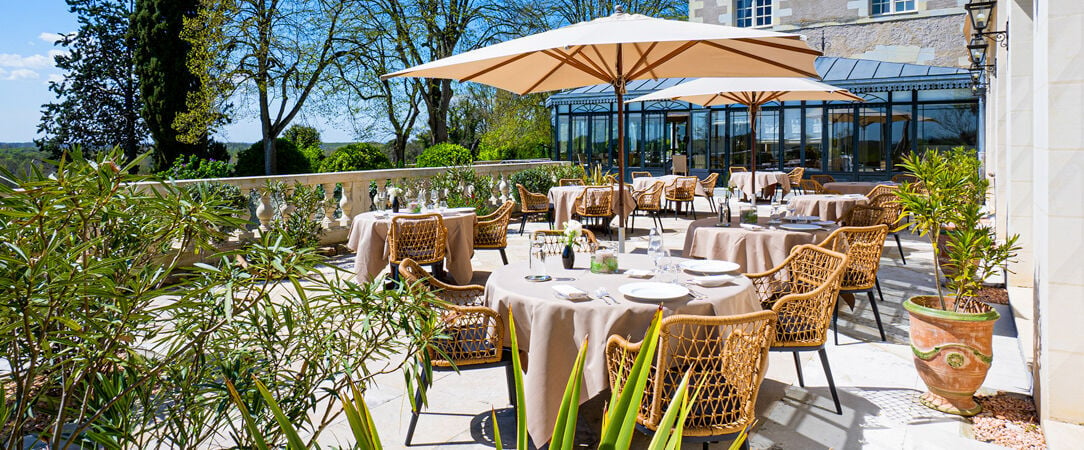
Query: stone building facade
[{"x": 927, "y": 32}]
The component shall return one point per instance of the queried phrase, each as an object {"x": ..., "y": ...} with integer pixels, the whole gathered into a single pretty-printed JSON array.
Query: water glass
[
  {"x": 380, "y": 200},
  {"x": 538, "y": 260},
  {"x": 443, "y": 205}
]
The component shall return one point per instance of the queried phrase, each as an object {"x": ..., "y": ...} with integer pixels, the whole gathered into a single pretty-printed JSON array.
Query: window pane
[
  {"x": 768, "y": 140},
  {"x": 879, "y": 6},
  {"x": 562, "y": 138},
  {"x": 901, "y": 134},
  {"x": 718, "y": 139},
  {"x": 905, "y": 5},
  {"x": 739, "y": 138},
  {"x": 764, "y": 12},
  {"x": 840, "y": 139},
  {"x": 946, "y": 126},
  {"x": 792, "y": 138},
  {"x": 600, "y": 142},
  {"x": 813, "y": 122},
  {"x": 634, "y": 132},
  {"x": 579, "y": 139},
  {"x": 870, "y": 135},
  {"x": 654, "y": 142},
  {"x": 699, "y": 144}
]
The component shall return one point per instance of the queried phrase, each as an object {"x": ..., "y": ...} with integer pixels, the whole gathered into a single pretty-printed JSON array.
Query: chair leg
[
  {"x": 510, "y": 378},
  {"x": 693, "y": 208},
  {"x": 835, "y": 322},
  {"x": 899, "y": 247},
  {"x": 632, "y": 221},
  {"x": 705, "y": 446},
  {"x": 831, "y": 382},
  {"x": 504, "y": 257},
  {"x": 658, "y": 218},
  {"x": 415, "y": 412},
  {"x": 438, "y": 269},
  {"x": 882, "y": 295},
  {"x": 394, "y": 272},
  {"x": 798, "y": 365},
  {"x": 876, "y": 315},
  {"x": 523, "y": 223}
]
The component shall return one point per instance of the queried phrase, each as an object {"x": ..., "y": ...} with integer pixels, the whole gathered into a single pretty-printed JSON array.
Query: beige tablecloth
[
  {"x": 827, "y": 207},
  {"x": 744, "y": 181},
  {"x": 551, "y": 330},
  {"x": 754, "y": 251},
  {"x": 856, "y": 187},
  {"x": 369, "y": 237},
  {"x": 646, "y": 182},
  {"x": 562, "y": 198}
]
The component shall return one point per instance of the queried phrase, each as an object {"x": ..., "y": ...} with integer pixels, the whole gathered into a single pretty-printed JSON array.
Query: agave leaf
[
  {"x": 666, "y": 425},
  {"x": 250, "y": 423},
  {"x": 293, "y": 440},
  {"x": 738, "y": 441},
  {"x": 496, "y": 428},
  {"x": 564, "y": 431},
  {"x": 517, "y": 370},
  {"x": 622, "y": 420},
  {"x": 361, "y": 421}
]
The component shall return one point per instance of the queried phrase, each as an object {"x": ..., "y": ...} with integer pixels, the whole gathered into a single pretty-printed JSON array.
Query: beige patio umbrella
[
  {"x": 619, "y": 48},
  {"x": 751, "y": 92}
]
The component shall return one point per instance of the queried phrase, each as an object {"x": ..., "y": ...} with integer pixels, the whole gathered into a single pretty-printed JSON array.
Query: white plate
[
  {"x": 800, "y": 227},
  {"x": 708, "y": 266},
  {"x": 653, "y": 291},
  {"x": 824, "y": 223},
  {"x": 801, "y": 218}
]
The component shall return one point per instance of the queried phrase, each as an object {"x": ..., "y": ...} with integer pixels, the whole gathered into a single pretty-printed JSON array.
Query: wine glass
[{"x": 661, "y": 257}]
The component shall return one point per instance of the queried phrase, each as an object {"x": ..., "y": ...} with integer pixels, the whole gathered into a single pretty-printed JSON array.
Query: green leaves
[{"x": 621, "y": 417}]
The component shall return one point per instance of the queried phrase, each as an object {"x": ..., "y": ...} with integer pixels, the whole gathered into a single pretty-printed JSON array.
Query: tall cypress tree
[{"x": 164, "y": 77}]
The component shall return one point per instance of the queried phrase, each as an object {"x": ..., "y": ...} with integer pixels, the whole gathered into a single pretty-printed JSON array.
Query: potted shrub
[{"x": 952, "y": 332}]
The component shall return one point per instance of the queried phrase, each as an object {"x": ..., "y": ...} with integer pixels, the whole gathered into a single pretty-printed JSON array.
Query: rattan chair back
[
  {"x": 882, "y": 189},
  {"x": 904, "y": 178},
  {"x": 421, "y": 237},
  {"x": 736, "y": 169},
  {"x": 863, "y": 247},
  {"x": 636, "y": 175},
  {"x": 474, "y": 332},
  {"x": 530, "y": 202},
  {"x": 795, "y": 175},
  {"x": 803, "y": 291},
  {"x": 862, "y": 216},
  {"x": 890, "y": 204},
  {"x": 682, "y": 189},
  {"x": 553, "y": 241},
  {"x": 650, "y": 199},
  {"x": 822, "y": 178},
  {"x": 811, "y": 187},
  {"x": 594, "y": 201},
  {"x": 570, "y": 182},
  {"x": 709, "y": 184},
  {"x": 728, "y": 354},
  {"x": 491, "y": 231}
]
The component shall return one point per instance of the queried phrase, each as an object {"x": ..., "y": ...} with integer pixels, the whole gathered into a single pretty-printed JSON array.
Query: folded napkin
[
  {"x": 751, "y": 227},
  {"x": 713, "y": 280},
  {"x": 639, "y": 273},
  {"x": 570, "y": 292}
]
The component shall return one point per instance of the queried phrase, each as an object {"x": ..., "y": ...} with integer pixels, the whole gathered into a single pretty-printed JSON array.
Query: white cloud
[
  {"x": 54, "y": 77},
  {"x": 50, "y": 37},
  {"x": 21, "y": 74},
  {"x": 28, "y": 62}
]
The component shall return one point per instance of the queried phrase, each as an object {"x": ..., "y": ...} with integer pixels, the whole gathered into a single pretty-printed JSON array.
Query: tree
[
  {"x": 98, "y": 100},
  {"x": 165, "y": 80},
  {"x": 565, "y": 12},
  {"x": 468, "y": 115},
  {"x": 303, "y": 136},
  {"x": 518, "y": 124},
  {"x": 277, "y": 52}
]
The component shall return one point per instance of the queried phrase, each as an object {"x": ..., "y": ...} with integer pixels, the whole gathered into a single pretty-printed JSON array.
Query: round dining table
[
  {"x": 826, "y": 206},
  {"x": 744, "y": 181},
  {"x": 755, "y": 251},
  {"x": 550, "y": 330},
  {"x": 856, "y": 187},
  {"x": 641, "y": 183},
  {"x": 369, "y": 238},
  {"x": 563, "y": 198}
]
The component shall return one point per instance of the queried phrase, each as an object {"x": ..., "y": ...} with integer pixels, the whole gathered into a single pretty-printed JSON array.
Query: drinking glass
[
  {"x": 538, "y": 260},
  {"x": 381, "y": 202},
  {"x": 662, "y": 260},
  {"x": 443, "y": 204}
]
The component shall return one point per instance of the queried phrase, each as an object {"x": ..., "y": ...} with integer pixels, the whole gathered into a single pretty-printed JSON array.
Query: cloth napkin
[
  {"x": 569, "y": 292},
  {"x": 713, "y": 280},
  {"x": 639, "y": 273},
  {"x": 751, "y": 227}
]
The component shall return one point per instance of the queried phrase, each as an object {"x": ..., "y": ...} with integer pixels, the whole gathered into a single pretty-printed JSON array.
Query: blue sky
[{"x": 27, "y": 31}]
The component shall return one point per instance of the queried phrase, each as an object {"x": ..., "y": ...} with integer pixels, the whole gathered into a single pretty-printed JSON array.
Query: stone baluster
[
  {"x": 329, "y": 204},
  {"x": 494, "y": 190},
  {"x": 346, "y": 203},
  {"x": 503, "y": 187},
  {"x": 286, "y": 208},
  {"x": 264, "y": 212}
]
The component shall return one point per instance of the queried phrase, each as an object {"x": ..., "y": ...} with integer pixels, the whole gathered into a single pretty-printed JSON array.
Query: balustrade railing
[{"x": 347, "y": 194}]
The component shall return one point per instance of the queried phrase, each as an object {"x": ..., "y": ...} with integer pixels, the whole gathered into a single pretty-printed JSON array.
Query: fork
[
  {"x": 605, "y": 294},
  {"x": 696, "y": 294}
]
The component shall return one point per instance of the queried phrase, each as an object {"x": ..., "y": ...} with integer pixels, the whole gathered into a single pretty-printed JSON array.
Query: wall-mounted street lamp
[
  {"x": 980, "y": 13},
  {"x": 976, "y": 51}
]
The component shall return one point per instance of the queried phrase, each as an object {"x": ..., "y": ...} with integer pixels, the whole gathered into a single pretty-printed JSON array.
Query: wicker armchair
[
  {"x": 570, "y": 182},
  {"x": 595, "y": 204},
  {"x": 531, "y": 204},
  {"x": 881, "y": 189},
  {"x": 863, "y": 247},
  {"x": 736, "y": 169},
  {"x": 904, "y": 178},
  {"x": 795, "y": 176},
  {"x": 491, "y": 232},
  {"x": 893, "y": 212},
  {"x": 636, "y": 175},
  {"x": 861, "y": 216},
  {"x": 553, "y": 241},
  {"x": 474, "y": 333},
  {"x": 727, "y": 353},
  {"x": 803, "y": 291},
  {"x": 822, "y": 178},
  {"x": 709, "y": 189},
  {"x": 814, "y": 187},
  {"x": 649, "y": 201},
  {"x": 420, "y": 237},
  {"x": 681, "y": 190}
]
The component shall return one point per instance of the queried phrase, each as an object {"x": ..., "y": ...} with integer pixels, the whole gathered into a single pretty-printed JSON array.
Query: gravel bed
[{"x": 1008, "y": 420}]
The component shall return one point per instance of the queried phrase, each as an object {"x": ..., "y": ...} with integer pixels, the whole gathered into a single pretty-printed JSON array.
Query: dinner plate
[
  {"x": 709, "y": 266},
  {"x": 653, "y": 291},
  {"x": 800, "y": 227},
  {"x": 801, "y": 218},
  {"x": 824, "y": 223}
]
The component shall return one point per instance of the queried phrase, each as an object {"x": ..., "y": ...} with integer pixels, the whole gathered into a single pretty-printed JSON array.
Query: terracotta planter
[{"x": 953, "y": 351}]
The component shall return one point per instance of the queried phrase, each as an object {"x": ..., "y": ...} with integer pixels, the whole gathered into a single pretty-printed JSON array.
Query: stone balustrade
[{"x": 353, "y": 189}]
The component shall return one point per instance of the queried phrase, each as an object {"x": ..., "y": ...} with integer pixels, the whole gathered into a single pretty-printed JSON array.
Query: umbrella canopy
[
  {"x": 622, "y": 47},
  {"x": 751, "y": 92}
]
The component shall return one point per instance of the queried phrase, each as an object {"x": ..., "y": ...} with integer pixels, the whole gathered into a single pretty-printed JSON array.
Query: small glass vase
[{"x": 568, "y": 257}]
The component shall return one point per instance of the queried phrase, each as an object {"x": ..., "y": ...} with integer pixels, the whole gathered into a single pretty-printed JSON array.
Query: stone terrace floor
[{"x": 877, "y": 382}]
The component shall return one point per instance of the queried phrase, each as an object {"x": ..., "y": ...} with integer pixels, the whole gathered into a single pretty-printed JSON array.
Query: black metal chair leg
[
  {"x": 881, "y": 294},
  {"x": 415, "y": 412},
  {"x": 504, "y": 257},
  {"x": 835, "y": 322},
  {"x": 510, "y": 378},
  {"x": 438, "y": 269},
  {"x": 523, "y": 223},
  {"x": 831, "y": 382},
  {"x": 394, "y": 272},
  {"x": 693, "y": 207},
  {"x": 899, "y": 247},
  {"x": 798, "y": 365},
  {"x": 876, "y": 315},
  {"x": 658, "y": 218},
  {"x": 632, "y": 221},
  {"x": 705, "y": 446}
]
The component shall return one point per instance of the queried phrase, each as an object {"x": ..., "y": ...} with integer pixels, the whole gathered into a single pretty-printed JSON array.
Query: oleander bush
[
  {"x": 189, "y": 167},
  {"x": 444, "y": 154},
  {"x": 357, "y": 156},
  {"x": 250, "y": 161}
]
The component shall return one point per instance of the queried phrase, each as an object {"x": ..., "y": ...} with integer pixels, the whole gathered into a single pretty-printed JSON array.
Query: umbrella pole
[
  {"x": 753, "y": 107},
  {"x": 619, "y": 91}
]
